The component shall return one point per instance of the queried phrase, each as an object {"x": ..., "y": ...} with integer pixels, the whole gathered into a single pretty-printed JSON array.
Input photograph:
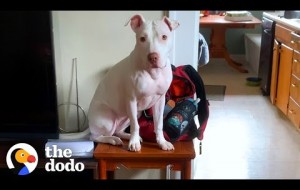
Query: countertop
[
  {"x": 277, "y": 16},
  {"x": 220, "y": 20}
]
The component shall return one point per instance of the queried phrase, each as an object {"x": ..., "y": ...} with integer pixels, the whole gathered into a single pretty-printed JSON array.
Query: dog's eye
[
  {"x": 164, "y": 37},
  {"x": 142, "y": 39}
]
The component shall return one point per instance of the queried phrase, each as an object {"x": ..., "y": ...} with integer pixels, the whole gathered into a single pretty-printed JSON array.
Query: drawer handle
[
  {"x": 295, "y": 34},
  {"x": 292, "y": 112},
  {"x": 295, "y": 61},
  {"x": 293, "y": 42},
  {"x": 295, "y": 85}
]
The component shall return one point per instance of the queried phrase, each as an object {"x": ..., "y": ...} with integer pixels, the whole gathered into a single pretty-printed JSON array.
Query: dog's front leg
[
  {"x": 158, "y": 110},
  {"x": 134, "y": 142}
]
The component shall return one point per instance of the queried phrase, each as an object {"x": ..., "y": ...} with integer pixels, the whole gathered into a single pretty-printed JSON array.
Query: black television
[{"x": 28, "y": 108}]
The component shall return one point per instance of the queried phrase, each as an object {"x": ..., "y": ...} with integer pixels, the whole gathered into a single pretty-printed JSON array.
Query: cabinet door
[
  {"x": 273, "y": 87},
  {"x": 284, "y": 77}
]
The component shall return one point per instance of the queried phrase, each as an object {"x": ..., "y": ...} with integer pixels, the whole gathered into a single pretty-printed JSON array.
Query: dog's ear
[
  {"x": 135, "y": 22},
  {"x": 172, "y": 24}
]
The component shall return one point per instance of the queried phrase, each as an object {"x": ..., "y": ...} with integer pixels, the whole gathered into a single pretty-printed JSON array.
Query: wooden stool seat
[{"x": 150, "y": 157}]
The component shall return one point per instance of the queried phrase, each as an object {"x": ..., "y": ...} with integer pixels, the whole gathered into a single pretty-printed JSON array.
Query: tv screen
[{"x": 27, "y": 76}]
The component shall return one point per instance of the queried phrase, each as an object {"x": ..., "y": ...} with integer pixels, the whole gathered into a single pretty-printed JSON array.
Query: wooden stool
[{"x": 150, "y": 157}]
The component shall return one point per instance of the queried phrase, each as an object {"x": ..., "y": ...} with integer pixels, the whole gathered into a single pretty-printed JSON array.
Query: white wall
[{"x": 185, "y": 38}]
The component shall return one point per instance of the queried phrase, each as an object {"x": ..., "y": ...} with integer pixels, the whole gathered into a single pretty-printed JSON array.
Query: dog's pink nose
[{"x": 153, "y": 58}]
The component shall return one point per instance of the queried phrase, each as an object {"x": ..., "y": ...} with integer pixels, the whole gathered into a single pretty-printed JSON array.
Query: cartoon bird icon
[{"x": 21, "y": 158}]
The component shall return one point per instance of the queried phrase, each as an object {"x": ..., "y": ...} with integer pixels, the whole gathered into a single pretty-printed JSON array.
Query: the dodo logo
[{"x": 22, "y": 159}]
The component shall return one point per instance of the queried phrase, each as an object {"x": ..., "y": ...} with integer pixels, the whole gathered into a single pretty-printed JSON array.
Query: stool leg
[
  {"x": 102, "y": 169},
  {"x": 186, "y": 170}
]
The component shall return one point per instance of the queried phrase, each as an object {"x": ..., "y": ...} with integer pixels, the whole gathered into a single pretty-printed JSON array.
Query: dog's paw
[
  {"x": 135, "y": 144},
  {"x": 166, "y": 145},
  {"x": 115, "y": 141}
]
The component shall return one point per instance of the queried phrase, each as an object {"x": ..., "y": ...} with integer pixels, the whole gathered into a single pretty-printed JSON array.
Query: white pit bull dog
[{"x": 138, "y": 82}]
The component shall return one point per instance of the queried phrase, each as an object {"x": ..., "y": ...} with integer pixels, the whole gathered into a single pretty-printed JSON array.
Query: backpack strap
[{"x": 203, "y": 110}]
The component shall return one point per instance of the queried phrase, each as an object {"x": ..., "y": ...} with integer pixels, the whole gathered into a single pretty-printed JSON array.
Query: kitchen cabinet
[
  {"x": 274, "y": 75},
  {"x": 294, "y": 99},
  {"x": 285, "y": 78}
]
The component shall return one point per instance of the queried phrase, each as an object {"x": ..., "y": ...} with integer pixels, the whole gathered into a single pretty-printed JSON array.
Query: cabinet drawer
[
  {"x": 295, "y": 41},
  {"x": 283, "y": 34},
  {"x": 294, "y": 113},
  {"x": 296, "y": 64},
  {"x": 295, "y": 89}
]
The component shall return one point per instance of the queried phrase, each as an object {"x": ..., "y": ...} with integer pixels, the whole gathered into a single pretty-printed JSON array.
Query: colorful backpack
[{"x": 185, "y": 85}]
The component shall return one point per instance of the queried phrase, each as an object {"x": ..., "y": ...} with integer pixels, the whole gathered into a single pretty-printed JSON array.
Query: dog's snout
[{"x": 153, "y": 58}]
